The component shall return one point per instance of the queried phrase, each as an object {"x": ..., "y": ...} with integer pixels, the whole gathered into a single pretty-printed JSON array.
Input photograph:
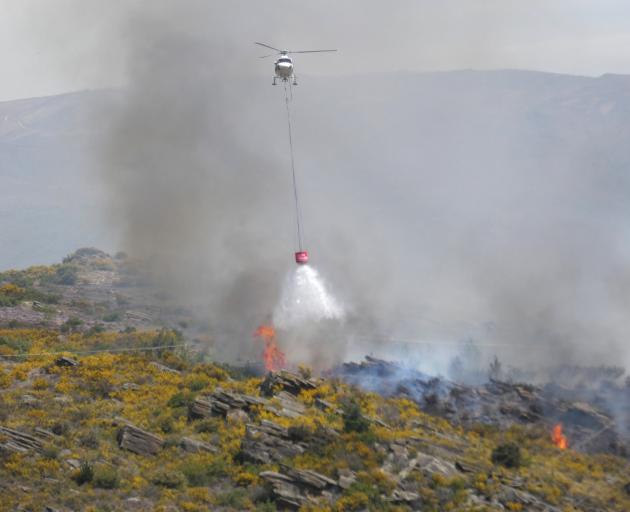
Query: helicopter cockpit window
[{"x": 284, "y": 60}]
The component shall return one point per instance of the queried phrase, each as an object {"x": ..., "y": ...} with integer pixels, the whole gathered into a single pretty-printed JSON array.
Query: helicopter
[{"x": 284, "y": 63}]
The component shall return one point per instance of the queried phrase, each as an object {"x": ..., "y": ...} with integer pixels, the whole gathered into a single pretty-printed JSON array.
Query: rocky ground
[
  {"x": 128, "y": 432},
  {"x": 97, "y": 427}
]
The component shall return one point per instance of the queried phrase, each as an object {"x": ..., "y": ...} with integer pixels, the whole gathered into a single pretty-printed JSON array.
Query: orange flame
[
  {"x": 558, "y": 438},
  {"x": 272, "y": 355}
]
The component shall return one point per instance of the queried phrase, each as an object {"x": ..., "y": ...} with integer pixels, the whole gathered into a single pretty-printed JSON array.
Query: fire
[
  {"x": 558, "y": 438},
  {"x": 272, "y": 355}
]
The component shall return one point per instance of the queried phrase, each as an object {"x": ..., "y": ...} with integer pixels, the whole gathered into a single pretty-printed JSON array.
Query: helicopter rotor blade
[
  {"x": 311, "y": 51},
  {"x": 267, "y": 46},
  {"x": 270, "y": 55}
]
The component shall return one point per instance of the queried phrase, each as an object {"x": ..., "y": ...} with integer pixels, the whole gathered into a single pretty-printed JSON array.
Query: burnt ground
[{"x": 594, "y": 418}]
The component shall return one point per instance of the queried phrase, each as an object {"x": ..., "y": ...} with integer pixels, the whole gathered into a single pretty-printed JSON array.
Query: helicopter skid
[{"x": 284, "y": 79}]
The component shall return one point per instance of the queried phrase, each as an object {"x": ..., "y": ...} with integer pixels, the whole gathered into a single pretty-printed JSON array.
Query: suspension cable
[
  {"x": 298, "y": 213},
  {"x": 94, "y": 351}
]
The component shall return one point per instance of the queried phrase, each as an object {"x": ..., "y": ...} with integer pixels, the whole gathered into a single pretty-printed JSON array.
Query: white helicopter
[{"x": 284, "y": 64}]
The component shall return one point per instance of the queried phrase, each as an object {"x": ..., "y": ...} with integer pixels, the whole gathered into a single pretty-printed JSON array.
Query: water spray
[
  {"x": 305, "y": 302},
  {"x": 305, "y": 298}
]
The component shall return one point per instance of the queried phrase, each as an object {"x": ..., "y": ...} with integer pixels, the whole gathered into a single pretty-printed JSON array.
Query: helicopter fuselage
[
  {"x": 284, "y": 64},
  {"x": 284, "y": 67}
]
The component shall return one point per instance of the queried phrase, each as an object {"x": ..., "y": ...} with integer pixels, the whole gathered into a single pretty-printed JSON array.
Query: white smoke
[{"x": 305, "y": 299}]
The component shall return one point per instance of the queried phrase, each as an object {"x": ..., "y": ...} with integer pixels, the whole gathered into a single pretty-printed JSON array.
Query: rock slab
[
  {"x": 139, "y": 441},
  {"x": 17, "y": 441}
]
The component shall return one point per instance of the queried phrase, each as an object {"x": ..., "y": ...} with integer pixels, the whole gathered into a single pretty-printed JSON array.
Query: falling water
[{"x": 305, "y": 299}]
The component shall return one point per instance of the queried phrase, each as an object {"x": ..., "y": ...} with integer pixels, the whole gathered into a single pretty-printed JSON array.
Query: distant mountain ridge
[
  {"x": 47, "y": 178},
  {"x": 49, "y": 156}
]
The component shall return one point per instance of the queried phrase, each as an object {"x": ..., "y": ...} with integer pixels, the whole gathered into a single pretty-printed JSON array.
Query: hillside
[{"x": 87, "y": 422}]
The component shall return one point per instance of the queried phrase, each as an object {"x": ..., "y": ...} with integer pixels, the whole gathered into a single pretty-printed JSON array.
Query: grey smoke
[{"x": 439, "y": 206}]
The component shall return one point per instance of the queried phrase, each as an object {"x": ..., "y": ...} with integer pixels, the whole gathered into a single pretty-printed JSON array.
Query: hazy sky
[{"x": 52, "y": 46}]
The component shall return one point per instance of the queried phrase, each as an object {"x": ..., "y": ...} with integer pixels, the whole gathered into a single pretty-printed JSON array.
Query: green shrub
[
  {"x": 36, "y": 295},
  {"x": 169, "y": 479},
  {"x": 457, "y": 484},
  {"x": 209, "y": 425},
  {"x": 7, "y": 302},
  {"x": 266, "y": 506},
  {"x": 84, "y": 474},
  {"x": 71, "y": 324},
  {"x": 171, "y": 442},
  {"x": 508, "y": 455},
  {"x": 298, "y": 433},
  {"x": 197, "y": 384},
  {"x": 60, "y": 428},
  {"x": 84, "y": 252},
  {"x": 90, "y": 439},
  {"x": 365, "y": 494},
  {"x": 235, "y": 499},
  {"x": 50, "y": 452},
  {"x": 20, "y": 345},
  {"x": 353, "y": 419},
  {"x": 112, "y": 317},
  {"x": 105, "y": 477},
  {"x": 66, "y": 274},
  {"x": 166, "y": 424},
  {"x": 180, "y": 399},
  {"x": 199, "y": 474},
  {"x": 95, "y": 329}
]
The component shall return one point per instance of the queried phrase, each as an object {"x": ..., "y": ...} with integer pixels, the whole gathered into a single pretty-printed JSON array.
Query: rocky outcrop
[
  {"x": 346, "y": 478},
  {"x": 164, "y": 368},
  {"x": 585, "y": 416},
  {"x": 235, "y": 406},
  {"x": 43, "y": 433},
  {"x": 66, "y": 361},
  {"x": 139, "y": 441},
  {"x": 295, "y": 488},
  {"x": 284, "y": 491},
  {"x": 285, "y": 381},
  {"x": 195, "y": 446},
  {"x": 327, "y": 406},
  {"x": 284, "y": 404},
  {"x": 202, "y": 408},
  {"x": 221, "y": 402},
  {"x": 433, "y": 465},
  {"x": 237, "y": 416},
  {"x": 16, "y": 441},
  {"x": 29, "y": 401},
  {"x": 311, "y": 479},
  {"x": 409, "y": 498},
  {"x": 527, "y": 501},
  {"x": 399, "y": 463},
  {"x": 266, "y": 443}
]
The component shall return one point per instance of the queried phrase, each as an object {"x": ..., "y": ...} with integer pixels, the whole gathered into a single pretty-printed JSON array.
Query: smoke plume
[{"x": 441, "y": 207}]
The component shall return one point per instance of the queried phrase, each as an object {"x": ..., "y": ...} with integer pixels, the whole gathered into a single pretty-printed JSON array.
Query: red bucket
[{"x": 301, "y": 257}]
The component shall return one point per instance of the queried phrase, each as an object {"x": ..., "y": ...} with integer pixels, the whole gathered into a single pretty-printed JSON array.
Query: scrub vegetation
[
  {"x": 73, "y": 387},
  {"x": 81, "y": 465}
]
